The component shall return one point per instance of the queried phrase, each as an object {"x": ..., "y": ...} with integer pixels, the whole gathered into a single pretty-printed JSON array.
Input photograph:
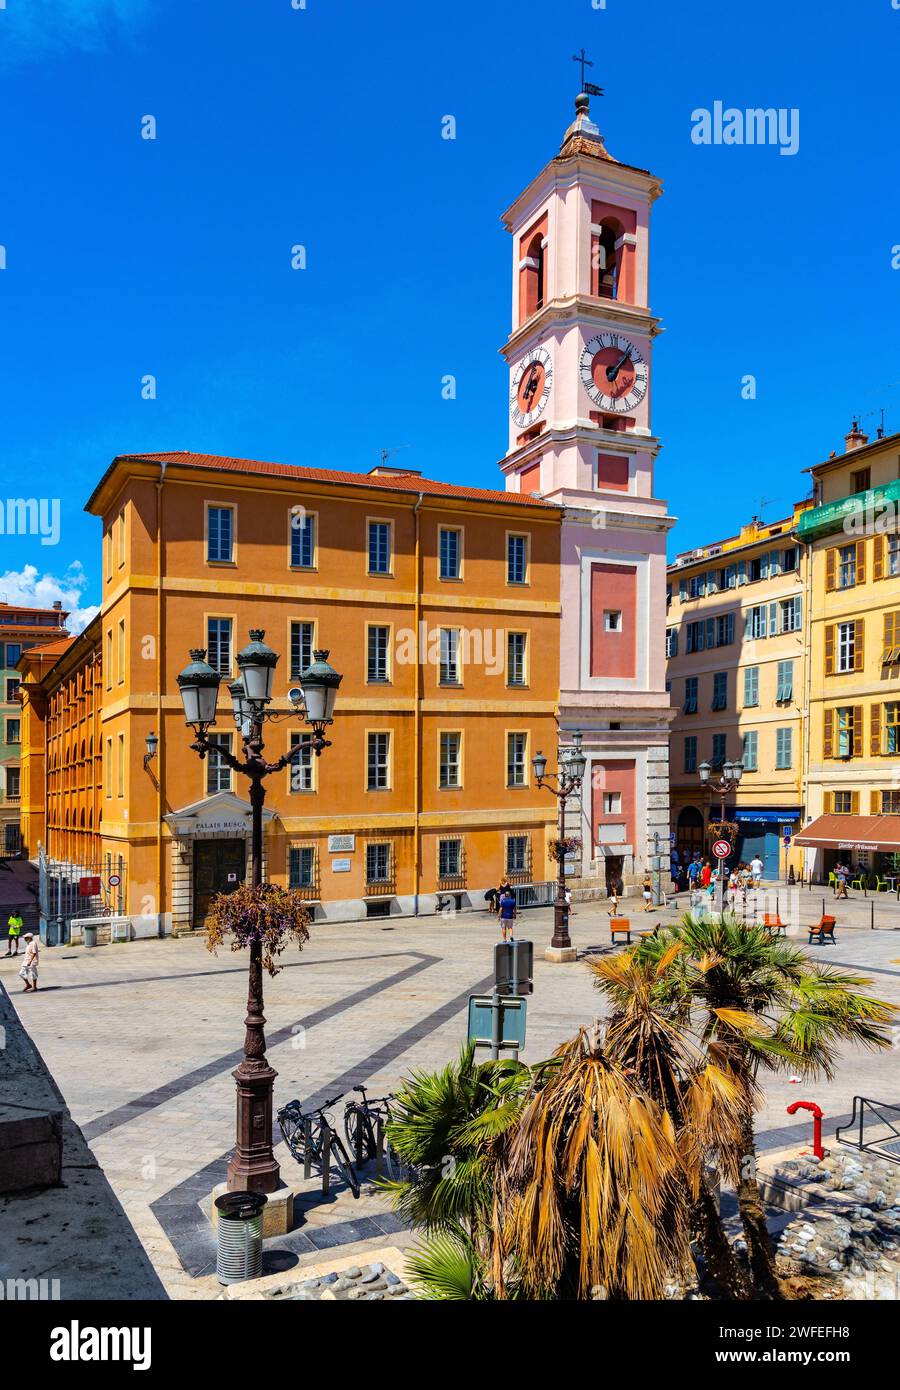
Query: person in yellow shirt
[{"x": 14, "y": 928}]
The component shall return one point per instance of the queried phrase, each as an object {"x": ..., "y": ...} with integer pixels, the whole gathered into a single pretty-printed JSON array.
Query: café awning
[{"x": 851, "y": 832}]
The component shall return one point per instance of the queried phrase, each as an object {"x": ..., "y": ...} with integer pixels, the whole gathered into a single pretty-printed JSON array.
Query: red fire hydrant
[{"x": 817, "y": 1122}]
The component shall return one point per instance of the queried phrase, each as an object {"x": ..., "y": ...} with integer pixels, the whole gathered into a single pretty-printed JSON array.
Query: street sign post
[
  {"x": 497, "y": 1021},
  {"x": 721, "y": 849},
  {"x": 514, "y": 967}
]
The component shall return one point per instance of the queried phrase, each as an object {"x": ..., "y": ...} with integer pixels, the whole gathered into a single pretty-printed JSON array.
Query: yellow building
[
  {"x": 853, "y": 538},
  {"x": 21, "y": 629},
  {"x": 440, "y": 607},
  {"x": 736, "y": 667}
]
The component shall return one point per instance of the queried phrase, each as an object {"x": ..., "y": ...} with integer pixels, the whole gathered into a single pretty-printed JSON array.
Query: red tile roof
[
  {"x": 402, "y": 482},
  {"x": 21, "y": 608}
]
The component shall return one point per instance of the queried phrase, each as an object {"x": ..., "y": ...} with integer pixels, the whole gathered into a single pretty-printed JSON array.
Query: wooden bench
[
  {"x": 772, "y": 923},
  {"x": 824, "y": 929},
  {"x": 620, "y": 926}
]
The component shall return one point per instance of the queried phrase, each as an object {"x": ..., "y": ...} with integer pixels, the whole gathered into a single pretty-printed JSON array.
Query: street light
[
  {"x": 728, "y": 781},
  {"x": 571, "y": 765},
  {"x": 253, "y": 1167}
]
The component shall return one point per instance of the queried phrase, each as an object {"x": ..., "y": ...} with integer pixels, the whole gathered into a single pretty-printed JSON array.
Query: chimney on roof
[
  {"x": 57, "y": 604},
  {"x": 384, "y": 470},
  {"x": 855, "y": 438}
]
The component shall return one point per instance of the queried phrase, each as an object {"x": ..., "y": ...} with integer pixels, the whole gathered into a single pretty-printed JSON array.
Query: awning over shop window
[{"x": 851, "y": 832}]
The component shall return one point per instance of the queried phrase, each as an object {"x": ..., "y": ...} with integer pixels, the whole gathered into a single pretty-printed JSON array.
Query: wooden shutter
[
  {"x": 857, "y": 732},
  {"x": 828, "y": 734},
  {"x": 854, "y": 803},
  {"x": 860, "y": 562},
  {"x": 875, "y": 803},
  {"x": 878, "y": 557},
  {"x": 830, "y": 568},
  {"x": 859, "y": 645},
  {"x": 875, "y": 730},
  {"x": 828, "y": 803},
  {"x": 829, "y": 647}
]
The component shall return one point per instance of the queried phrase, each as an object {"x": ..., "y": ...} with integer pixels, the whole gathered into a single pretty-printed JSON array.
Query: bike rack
[{"x": 888, "y": 1147}]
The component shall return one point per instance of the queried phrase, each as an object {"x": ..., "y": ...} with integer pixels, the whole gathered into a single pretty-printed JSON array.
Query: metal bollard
[
  {"x": 326, "y": 1161},
  {"x": 239, "y": 1246}
]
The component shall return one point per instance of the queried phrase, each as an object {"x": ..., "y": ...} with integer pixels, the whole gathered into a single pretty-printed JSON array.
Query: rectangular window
[
  {"x": 378, "y": 764},
  {"x": 719, "y": 749},
  {"x": 842, "y": 803},
  {"x": 449, "y": 858},
  {"x": 517, "y": 854},
  {"x": 697, "y": 586},
  {"x": 220, "y": 535},
  {"x": 612, "y": 803},
  {"x": 890, "y": 653},
  {"x": 890, "y": 803},
  {"x": 301, "y": 764},
  {"x": 892, "y": 727},
  {"x": 301, "y": 866},
  {"x": 756, "y": 621},
  {"x": 302, "y": 637},
  {"x": 893, "y": 555},
  {"x": 218, "y": 773},
  {"x": 378, "y": 863},
  {"x": 720, "y": 690},
  {"x": 690, "y": 753},
  {"x": 449, "y": 656},
  {"x": 450, "y": 547},
  {"x": 377, "y": 648},
  {"x": 13, "y": 653},
  {"x": 108, "y": 769},
  {"x": 751, "y": 686},
  {"x": 516, "y": 559},
  {"x": 861, "y": 480},
  {"x": 121, "y": 530},
  {"x": 449, "y": 772},
  {"x": 755, "y": 569},
  {"x": 121, "y": 651},
  {"x": 789, "y": 560},
  {"x": 13, "y": 731},
  {"x": 729, "y": 577},
  {"x": 379, "y": 547},
  {"x": 846, "y": 646},
  {"x": 696, "y": 639},
  {"x": 218, "y": 645},
  {"x": 725, "y": 630},
  {"x": 791, "y": 613},
  {"x": 784, "y": 739},
  {"x": 846, "y": 566},
  {"x": 303, "y": 539},
  {"x": 749, "y": 751},
  {"x": 109, "y": 659},
  {"x": 13, "y": 783},
  {"x": 515, "y": 658},
  {"x": 845, "y": 722},
  {"x": 690, "y": 695},
  {"x": 516, "y": 748},
  {"x": 13, "y": 683},
  {"x": 784, "y": 690},
  {"x": 120, "y": 765},
  {"x": 671, "y": 642}
]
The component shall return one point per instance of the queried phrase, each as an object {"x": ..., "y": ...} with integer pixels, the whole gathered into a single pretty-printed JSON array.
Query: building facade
[
  {"x": 736, "y": 643},
  {"x": 852, "y": 535},
  {"x": 580, "y": 369},
  {"x": 21, "y": 629},
  {"x": 440, "y": 607}
]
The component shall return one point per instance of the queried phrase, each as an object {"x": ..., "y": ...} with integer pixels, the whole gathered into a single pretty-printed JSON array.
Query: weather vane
[{"x": 589, "y": 87}]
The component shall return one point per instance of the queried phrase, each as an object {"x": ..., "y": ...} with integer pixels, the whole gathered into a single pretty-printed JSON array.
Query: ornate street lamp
[
  {"x": 253, "y": 1167},
  {"x": 571, "y": 764},
  {"x": 727, "y": 782}
]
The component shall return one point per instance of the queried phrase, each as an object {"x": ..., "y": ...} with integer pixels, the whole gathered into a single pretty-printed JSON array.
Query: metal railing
[
  {"x": 534, "y": 894},
  {"x": 886, "y": 1143}
]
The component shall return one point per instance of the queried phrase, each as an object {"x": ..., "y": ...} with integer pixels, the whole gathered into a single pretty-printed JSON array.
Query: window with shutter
[
  {"x": 830, "y": 568},
  {"x": 878, "y": 557},
  {"x": 890, "y": 653},
  {"x": 751, "y": 685},
  {"x": 875, "y": 730},
  {"x": 854, "y": 803},
  {"x": 857, "y": 730},
  {"x": 859, "y": 651},
  {"x": 891, "y": 715},
  {"x": 828, "y": 734},
  {"x": 860, "y": 562}
]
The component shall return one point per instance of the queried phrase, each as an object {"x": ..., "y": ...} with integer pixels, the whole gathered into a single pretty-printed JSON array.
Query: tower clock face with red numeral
[
  {"x": 530, "y": 389},
  {"x": 613, "y": 372}
]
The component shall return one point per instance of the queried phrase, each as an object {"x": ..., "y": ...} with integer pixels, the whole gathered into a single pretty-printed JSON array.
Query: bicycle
[
  {"x": 292, "y": 1123},
  {"x": 361, "y": 1128}
]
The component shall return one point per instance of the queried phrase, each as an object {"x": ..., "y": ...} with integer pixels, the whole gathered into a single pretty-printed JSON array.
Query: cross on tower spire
[{"x": 589, "y": 87}]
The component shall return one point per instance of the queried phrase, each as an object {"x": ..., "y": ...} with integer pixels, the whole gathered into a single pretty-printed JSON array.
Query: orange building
[
  {"x": 440, "y": 607},
  {"x": 21, "y": 629}
]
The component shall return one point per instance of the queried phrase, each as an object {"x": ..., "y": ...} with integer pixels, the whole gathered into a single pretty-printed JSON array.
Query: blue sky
[{"x": 322, "y": 126}]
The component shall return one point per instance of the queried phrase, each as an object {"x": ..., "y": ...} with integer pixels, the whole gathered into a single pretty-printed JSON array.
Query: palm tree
[
  {"x": 696, "y": 1087},
  {"x": 587, "y": 1186},
  {"x": 761, "y": 1004}
]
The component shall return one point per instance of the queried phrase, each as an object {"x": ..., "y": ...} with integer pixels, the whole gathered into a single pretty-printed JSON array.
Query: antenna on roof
[
  {"x": 385, "y": 454},
  {"x": 763, "y": 503}
]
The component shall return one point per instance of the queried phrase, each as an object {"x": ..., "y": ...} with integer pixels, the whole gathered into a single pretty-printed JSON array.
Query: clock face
[
  {"x": 530, "y": 389},
  {"x": 613, "y": 372}
]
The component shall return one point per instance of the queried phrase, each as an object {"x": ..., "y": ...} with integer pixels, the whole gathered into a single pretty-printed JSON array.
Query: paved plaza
[{"x": 142, "y": 1039}]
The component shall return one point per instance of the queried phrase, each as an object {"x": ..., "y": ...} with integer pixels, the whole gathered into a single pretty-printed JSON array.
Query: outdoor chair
[
  {"x": 824, "y": 929},
  {"x": 858, "y": 883},
  {"x": 832, "y": 879},
  {"x": 881, "y": 884},
  {"x": 620, "y": 926},
  {"x": 773, "y": 924}
]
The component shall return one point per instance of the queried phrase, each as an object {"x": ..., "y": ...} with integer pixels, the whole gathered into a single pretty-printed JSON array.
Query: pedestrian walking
[
  {"x": 507, "y": 913},
  {"x": 756, "y": 870},
  {"x": 705, "y": 874},
  {"x": 647, "y": 892},
  {"x": 29, "y": 970},
  {"x": 14, "y": 927}
]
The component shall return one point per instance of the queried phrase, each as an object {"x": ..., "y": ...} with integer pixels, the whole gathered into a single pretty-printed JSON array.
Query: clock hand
[
  {"x": 613, "y": 372},
  {"x": 531, "y": 383}
]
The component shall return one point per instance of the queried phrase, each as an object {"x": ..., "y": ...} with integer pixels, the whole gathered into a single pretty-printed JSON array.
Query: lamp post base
[
  {"x": 253, "y": 1167},
  {"x": 560, "y": 955}
]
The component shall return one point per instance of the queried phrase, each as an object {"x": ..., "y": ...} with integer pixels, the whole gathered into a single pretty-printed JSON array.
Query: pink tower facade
[{"x": 581, "y": 378}]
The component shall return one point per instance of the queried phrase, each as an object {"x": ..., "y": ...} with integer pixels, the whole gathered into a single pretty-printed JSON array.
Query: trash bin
[
  {"x": 90, "y": 936},
  {"x": 239, "y": 1251}
]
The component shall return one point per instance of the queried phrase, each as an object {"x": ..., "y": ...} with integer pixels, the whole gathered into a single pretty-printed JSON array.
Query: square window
[
  {"x": 612, "y": 803},
  {"x": 612, "y": 620}
]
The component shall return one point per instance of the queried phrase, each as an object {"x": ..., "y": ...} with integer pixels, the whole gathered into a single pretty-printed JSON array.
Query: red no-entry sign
[{"x": 721, "y": 849}]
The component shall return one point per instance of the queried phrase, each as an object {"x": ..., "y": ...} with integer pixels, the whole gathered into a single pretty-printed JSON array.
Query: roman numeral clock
[
  {"x": 613, "y": 372},
  {"x": 530, "y": 390}
]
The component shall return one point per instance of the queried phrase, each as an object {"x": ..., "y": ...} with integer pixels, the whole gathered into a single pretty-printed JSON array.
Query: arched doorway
[{"x": 689, "y": 832}]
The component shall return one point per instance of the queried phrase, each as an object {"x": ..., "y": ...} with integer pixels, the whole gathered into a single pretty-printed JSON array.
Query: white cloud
[
  {"x": 34, "y": 590},
  {"x": 38, "y": 28}
]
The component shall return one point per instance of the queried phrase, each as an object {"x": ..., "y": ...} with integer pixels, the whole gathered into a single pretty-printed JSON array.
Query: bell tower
[{"x": 580, "y": 357}]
